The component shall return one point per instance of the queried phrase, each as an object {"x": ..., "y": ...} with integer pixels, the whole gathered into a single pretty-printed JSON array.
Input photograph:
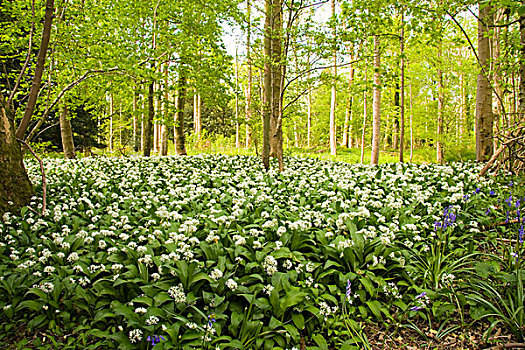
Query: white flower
[
  {"x": 72, "y": 257},
  {"x": 177, "y": 293},
  {"x": 135, "y": 335},
  {"x": 268, "y": 289},
  {"x": 152, "y": 320},
  {"x": 231, "y": 284},
  {"x": 216, "y": 274},
  {"x": 140, "y": 310},
  {"x": 270, "y": 265}
]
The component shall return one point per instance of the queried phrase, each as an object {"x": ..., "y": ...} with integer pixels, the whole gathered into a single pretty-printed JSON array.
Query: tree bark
[
  {"x": 68, "y": 146},
  {"x": 521, "y": 106},
  {"x": 363, "y": 132},
  {"x": 148, "y": 125},
  {"x": 111, "y": 112},
  {"x": 484, "y": 115},
  {"x": 39, "y": 70},
  {"x": 180, "y": 147},
  {"x": 376, "y": 107},
  {"x": 15, "y": 188},
  {"x": 272, "y": 122},
  {"x": 402, "y": 91},
  {"x": 136, "y": 124},
  {"x": 347, "y": 130},
  {"x": 441, "y": 102},
  {"x": 333, "y": 101},
  {"x": 250, "y": 78}
]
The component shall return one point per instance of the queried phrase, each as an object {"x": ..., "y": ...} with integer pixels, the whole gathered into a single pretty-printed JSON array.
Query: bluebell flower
[
  {"x": 348, "y": 290},
  {"x": 487, "y": 212},
  {"x": 416, "y": 308},
  {"x": 211, "y": 320},
  {"x": 421, "y": 295},
  {"x": 155, "y": 339},
  {"x": 492, "y": 193},
  {"x": 521, "y": 234},
  {"x": 511, "y": 184},
  {"x": 477, "y": 190}
]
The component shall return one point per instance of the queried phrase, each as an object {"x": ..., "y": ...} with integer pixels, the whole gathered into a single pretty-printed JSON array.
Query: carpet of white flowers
[{"x": 214, "y": 252}]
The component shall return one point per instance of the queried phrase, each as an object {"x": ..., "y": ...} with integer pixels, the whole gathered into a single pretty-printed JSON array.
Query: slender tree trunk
[
  {"x": 250, "y": 78},
  {"x": 143, "y": 123},
  {"x": 484, "y": 116},
  {"x": 309, "y": 114},
  {"x": 272, "y": 128},
  {"x": 180, "y": 147},
  {"x": 68, "y": 146},
  {"x": 441, "y": 102},
  {"x": 402, "y": 90},
  {"x": 347, "y": 131},
  {"x": 136, "y": 125},
  {"x": 277, "y": 75},
  {"x": 111, "y": 112},
  {"x": 237, "y": 124},
  {"x": 148, "y": 127},
  {"x": 376, "y": 108},
  {"x": 15, "y": 188},
  {"x": 521, "y": 106},
  {"x": 499, "y": 109},
  {"x": 411, "y": 126},
  {"x": 39, "y": 70},
  {"x": 395, "y": 121},
  {"x": 333, "y": 102},
  {"x": 165, "y": 109},
  {"x": 363, "y": 132}
]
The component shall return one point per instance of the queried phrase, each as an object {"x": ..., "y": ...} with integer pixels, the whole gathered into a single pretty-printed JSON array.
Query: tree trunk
[
  {"x": 39, "y": 70},
  {"x": 395, "y": 126},
  {"x": 376, "y": 108},
  {"x": 148, "y": 125},
  {"x": 15, "y": 188},
  {"x": 333, "y": 102},
  {"x": 111, "y": 112},
  {"x": 249, "y": 86},
  {"x": 197, "y": 123},
  {"x": 309, "y": 114},
  {"x": 441, "y": 102},
  {"x": 347, "y": 131},
  {"x": 272, "y": 122},
  {"x": 180, "y": 147},
  {"x": 402, "y": 91},
  {"x": 484, "y": 116},
  {"x": 363, "y": 132},
  {"x": 136, "y": 124},
  {"x": 411, "y": 126},
  {"x": 237, "y": 124},
  {"x": 68, "y": 145},
  {"x": 521, "y": 106}
]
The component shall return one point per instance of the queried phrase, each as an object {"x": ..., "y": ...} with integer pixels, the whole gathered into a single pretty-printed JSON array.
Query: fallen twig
[
  {"x": 43, "y": 173},
  {"x": 508, "y": 346}
]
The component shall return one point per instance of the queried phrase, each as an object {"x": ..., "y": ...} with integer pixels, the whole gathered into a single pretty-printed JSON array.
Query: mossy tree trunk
[{"x": 15, "y": 188}]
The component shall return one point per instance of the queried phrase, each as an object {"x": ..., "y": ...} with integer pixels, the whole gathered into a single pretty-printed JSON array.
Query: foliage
[{"x": 211, "y": 251}]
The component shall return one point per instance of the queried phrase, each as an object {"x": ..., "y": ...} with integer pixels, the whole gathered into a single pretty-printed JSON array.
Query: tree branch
[{"x": 43, "y": 174}]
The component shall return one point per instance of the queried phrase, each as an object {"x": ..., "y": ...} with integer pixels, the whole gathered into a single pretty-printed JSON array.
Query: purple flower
[
  {"x": 521, "y": 234},
  {"x": 477, "y": 190},
  {"x": 487, "y": 212},
  {"x": 348, "y": 290},
  {"x": 211, "y": 320},
  {"x": 421, "y": 295},
  {"x": 492, "y": 193},
  {"x": 416, "y": 308},
  {"x": 155, "y": 339}
]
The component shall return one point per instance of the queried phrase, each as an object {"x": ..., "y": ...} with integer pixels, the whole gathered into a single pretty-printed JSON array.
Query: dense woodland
[
  {"x": 154, "y": 76},
  {"x": 119, "y": 231}
]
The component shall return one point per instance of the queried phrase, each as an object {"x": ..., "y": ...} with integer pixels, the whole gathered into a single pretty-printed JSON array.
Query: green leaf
[
  {"x": 298, "y": 320},
  {"x": 320, "y": 341}
]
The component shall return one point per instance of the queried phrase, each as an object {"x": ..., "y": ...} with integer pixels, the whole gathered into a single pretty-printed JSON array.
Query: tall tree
[
  {"x": 66, "y": 132},
  {"x": 484, "y": 114},
  {"x": 333, "y": 99},
  {"x": 376, "y": 103}
]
